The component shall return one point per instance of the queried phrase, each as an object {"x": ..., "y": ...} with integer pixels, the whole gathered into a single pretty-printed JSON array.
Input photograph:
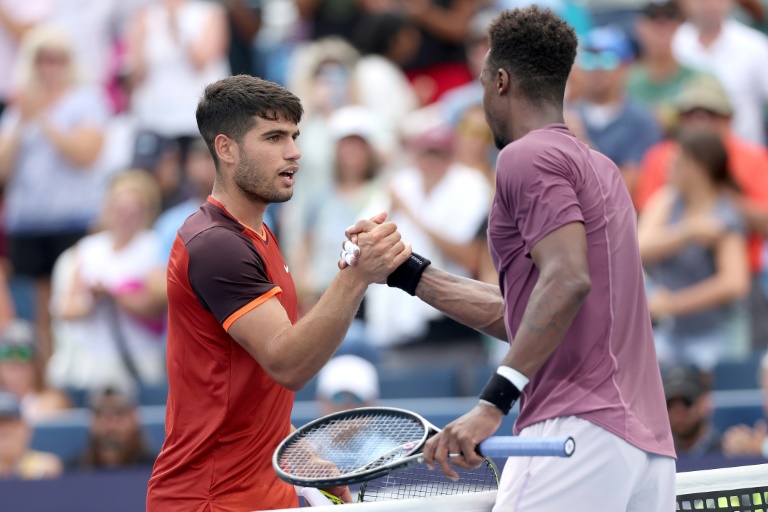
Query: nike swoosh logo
[{"x": 286, "y": 268}]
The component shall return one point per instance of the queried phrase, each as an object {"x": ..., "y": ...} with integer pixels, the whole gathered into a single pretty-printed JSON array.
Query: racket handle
[{"x": 510, "y": 446}]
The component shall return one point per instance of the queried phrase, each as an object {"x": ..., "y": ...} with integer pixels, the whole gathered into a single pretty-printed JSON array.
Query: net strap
[{"x": 476, "y": 502}]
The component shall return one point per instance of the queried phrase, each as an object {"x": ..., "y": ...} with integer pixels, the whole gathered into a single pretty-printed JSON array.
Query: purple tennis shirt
[{"x": 605, "y": 370}]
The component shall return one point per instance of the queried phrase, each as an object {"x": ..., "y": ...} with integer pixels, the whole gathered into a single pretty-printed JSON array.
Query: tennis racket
[
  {"x": 420, "y": 482},
  {"x": 359, "y": 445}
]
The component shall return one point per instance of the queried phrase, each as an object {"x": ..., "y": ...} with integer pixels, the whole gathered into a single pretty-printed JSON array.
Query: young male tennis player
[
  {"x": 570, "y": 300},
  {"x": 235, "y": 350}
]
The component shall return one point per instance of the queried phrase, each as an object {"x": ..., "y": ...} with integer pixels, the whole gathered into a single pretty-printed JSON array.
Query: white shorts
[{"x": 605, "y": 474}]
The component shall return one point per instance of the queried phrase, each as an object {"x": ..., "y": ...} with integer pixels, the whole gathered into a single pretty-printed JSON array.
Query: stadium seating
[{"x": 737, "y": 374}]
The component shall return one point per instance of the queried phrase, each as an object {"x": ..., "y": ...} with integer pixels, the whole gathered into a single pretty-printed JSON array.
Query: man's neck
[
  {"x": 530, "y": 119},
  {"x": 708, "y": 34},
  {"x": 245, "y": 210}
]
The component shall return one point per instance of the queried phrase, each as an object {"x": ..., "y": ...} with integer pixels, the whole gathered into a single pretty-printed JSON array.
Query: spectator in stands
[
  {"x": 111, "y": 329},
  {"x": 16, "y": 18},
  {"x": 347, "y": 382},
  {"x": 200, "y": 173},
  {"x": 614, "y": 124},
  {"x": 17, "y": 460},
  {"x": 357, "y": 192},
  {"x": 20, "y": 375},
  {"x": 657, "y": 77},
  {"x": 745, "y": 441},
  {"x": 387, "y": 42},
  {"x": 427, "y": 195},
  {"x": 244, "y": 17},
  {"x": 327, "y": 18},
  {"x": 703, "y": 105},
  {"x": 440, "y": 64},
  {"x": 50, "y": 138},
  {"x": 710, "y": 40},
  {"x": 693, "y": 246},
  {"x": 690, "y": 412},
  {"x": 476, "y": 45},
  {"x": 115, "y": 438},
  {"x": 175, "y": 48},
  {"x": 322, "y": 76}
]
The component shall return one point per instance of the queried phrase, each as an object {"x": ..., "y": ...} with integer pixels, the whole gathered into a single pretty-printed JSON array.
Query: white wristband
[{"x": 515, "y": 377}]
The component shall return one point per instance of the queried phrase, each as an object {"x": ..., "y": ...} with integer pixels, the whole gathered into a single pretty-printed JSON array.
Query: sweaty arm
[
  {"x": 292, "y": 354},
  {"x": 562, "y": 286},
  {"x": 473, "y": 303}
]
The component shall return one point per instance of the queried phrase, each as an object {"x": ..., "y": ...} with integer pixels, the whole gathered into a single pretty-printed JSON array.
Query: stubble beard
[{"x": 258, "y": 185}]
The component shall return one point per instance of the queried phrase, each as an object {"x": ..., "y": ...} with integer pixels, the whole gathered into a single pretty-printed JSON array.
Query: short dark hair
[
  {"x": 229, "y": 106},
  {"x": 536, "y": 48}
]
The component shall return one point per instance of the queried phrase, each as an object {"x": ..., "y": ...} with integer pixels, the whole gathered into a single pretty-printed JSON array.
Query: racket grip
[{"x": 511, "y": 446}]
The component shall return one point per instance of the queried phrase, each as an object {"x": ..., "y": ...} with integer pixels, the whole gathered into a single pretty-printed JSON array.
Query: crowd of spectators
[{"x": 101, "y": 162}]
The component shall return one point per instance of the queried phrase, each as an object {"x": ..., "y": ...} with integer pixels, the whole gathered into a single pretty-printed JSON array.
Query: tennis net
[{"x": 742, "y": 489}]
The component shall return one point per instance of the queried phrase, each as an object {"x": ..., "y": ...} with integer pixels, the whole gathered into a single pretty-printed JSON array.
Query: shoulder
[{"x": 541, "y": 151}]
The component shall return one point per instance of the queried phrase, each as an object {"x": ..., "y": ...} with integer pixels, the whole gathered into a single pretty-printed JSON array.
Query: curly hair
[
  {"x": 229, "y": 106},
  {"x": 536, "y": 48}
]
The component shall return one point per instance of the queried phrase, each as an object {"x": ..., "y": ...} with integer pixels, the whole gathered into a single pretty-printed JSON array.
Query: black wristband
[
  {"x": 407, "y": 276},
  {"x": 500, "y": 392}
]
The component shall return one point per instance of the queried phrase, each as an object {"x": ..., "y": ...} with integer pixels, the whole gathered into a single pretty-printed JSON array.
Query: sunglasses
[
  {"x": 51, "y": 58},
  {"x": 599, "y": 61}
]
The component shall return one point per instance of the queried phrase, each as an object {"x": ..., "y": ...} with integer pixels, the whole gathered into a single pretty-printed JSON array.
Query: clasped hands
[{"x": 374, "y": 247}]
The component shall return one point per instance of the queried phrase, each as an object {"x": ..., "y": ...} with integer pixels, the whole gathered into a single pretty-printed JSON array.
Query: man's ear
[
  {"x": 502, "y": 81},
  {"x": 227, "y": 149}
]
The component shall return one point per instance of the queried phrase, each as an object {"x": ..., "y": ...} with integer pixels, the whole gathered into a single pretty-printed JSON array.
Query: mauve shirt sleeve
[
  {"x": 226, "y": 272},
  {"x": 538, "y": 188}
]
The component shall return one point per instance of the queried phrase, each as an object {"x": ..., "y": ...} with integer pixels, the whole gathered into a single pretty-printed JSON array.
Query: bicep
[
  {"x": 257, "y": 329},
  {"x": 564, "y": 250}
]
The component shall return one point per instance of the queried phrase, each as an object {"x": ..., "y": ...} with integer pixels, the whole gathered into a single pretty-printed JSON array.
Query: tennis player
[
  {"x": 563, "y": 238},
  {"x": 235, "y": 349}
]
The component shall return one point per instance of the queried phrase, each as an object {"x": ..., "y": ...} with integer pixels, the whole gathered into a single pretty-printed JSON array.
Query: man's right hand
[
  {"x": 381, "y": 252},
  {"x": 352, "y": 233}
]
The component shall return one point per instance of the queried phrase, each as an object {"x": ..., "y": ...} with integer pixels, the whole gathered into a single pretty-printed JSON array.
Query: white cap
[
  {"x": 349, "y": 374},
  {"x": 354, "y": 120}
]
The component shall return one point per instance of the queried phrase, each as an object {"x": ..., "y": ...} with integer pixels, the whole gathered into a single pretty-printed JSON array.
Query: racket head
[
  {"x": 351, "y": 446},
  {"x": 420, "y": 482}
]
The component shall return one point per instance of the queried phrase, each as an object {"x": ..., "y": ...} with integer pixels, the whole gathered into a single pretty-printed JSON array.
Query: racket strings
[
  {"x": 421, "y": 482},
  {"x": 350, "y": 444}
]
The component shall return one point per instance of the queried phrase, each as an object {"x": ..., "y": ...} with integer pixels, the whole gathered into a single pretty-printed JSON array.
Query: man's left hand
[{"x": 462, "y": 437}]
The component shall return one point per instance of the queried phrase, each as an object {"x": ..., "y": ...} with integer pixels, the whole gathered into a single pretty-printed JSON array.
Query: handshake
[{"x": 375, "y": 247}]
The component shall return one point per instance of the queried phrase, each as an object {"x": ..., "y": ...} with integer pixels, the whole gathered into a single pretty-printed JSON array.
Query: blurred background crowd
[{"x": 101, "y": 162}]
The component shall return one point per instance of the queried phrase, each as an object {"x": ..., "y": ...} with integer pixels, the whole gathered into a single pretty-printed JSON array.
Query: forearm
[
  {"x": 299, "y": 352},
  {"x": 79, "y": 148},
  {"x": 9, "y": 148},
  {"x": 704, "y": 295},
  {"x": 662, "y": 244},
  {"x": 553, "y": 304},
  {"x": 143, "y": 304},
  {"x": 473, "y": 303}
]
